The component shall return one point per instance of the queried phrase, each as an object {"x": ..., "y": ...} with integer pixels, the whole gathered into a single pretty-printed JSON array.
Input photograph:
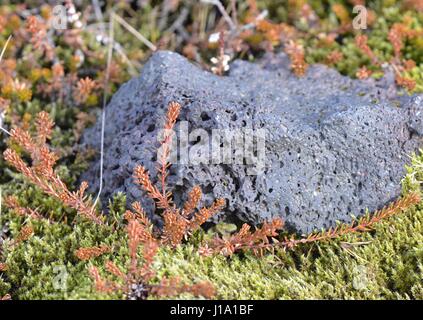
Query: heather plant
[
  {"x": 56, "y": 244},
  {"x": 135, "y": 282},
  {"x": 177, "y": 223}
]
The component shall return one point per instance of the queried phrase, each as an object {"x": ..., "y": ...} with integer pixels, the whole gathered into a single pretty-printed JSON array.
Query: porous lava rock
[{"x": 334, "y": 146}]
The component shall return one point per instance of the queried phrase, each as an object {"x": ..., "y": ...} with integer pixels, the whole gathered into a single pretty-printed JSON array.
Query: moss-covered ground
[{"x": 386, "y": 263}]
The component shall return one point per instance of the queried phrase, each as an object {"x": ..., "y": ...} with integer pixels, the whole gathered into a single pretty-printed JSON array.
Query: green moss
[
  {"x": 417, "y": 75},
  {"x": 383, "y": 264},
  {"x": 386, "y": 13},
  {"x": 4, "y": 287},
  {"x": 45, "y": 266}
]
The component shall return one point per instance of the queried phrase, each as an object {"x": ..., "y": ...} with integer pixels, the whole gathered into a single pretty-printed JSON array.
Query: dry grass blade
[
  {"x": 222, "y": 11},
  {"x": 1, "y": 111},
  {"x": 131, "y": 29},
  {"x": 5, "y": 47},
  {"x": 103, "y": 109}
]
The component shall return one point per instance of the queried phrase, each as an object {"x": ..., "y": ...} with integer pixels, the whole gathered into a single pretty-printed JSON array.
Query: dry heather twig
[
  {"x": 178, "y": 223},
  {"x": 396, "y": 35},
  {"x": 135, "y": 281},
  {"x": 296, "y": 54},
  {"x": 25, "y": 233},
  {"x": 363, "y": 73},
  {"x": 361, "y": 43},
  {"x": 3, "y": 267},
  {"x": 363, "y": 224},
  {"x": 41, "y": 171},
  {"x": 38, "y": 31},
  {"x": 83, "y": 89},
  {"x": 243, "y": 240},
  {"x": 221, "y": 61},
  {"x": 12, "y": 203},
  {"x": 88, "y": 253}
]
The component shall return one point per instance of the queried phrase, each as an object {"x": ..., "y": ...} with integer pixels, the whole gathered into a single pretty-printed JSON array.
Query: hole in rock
[
  {"x": 205, "y": 116},
  {"x": 151, "y": 128}
]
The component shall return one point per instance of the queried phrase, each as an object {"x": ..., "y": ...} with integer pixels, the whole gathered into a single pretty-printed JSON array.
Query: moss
[
  {"x": 4, "y": 287},
  {"x": 45, "y": 266},
  {"x": 383, "y": 264},
  {"x": 417, "y": 75},
  {"x": 386, "y": 15}
]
